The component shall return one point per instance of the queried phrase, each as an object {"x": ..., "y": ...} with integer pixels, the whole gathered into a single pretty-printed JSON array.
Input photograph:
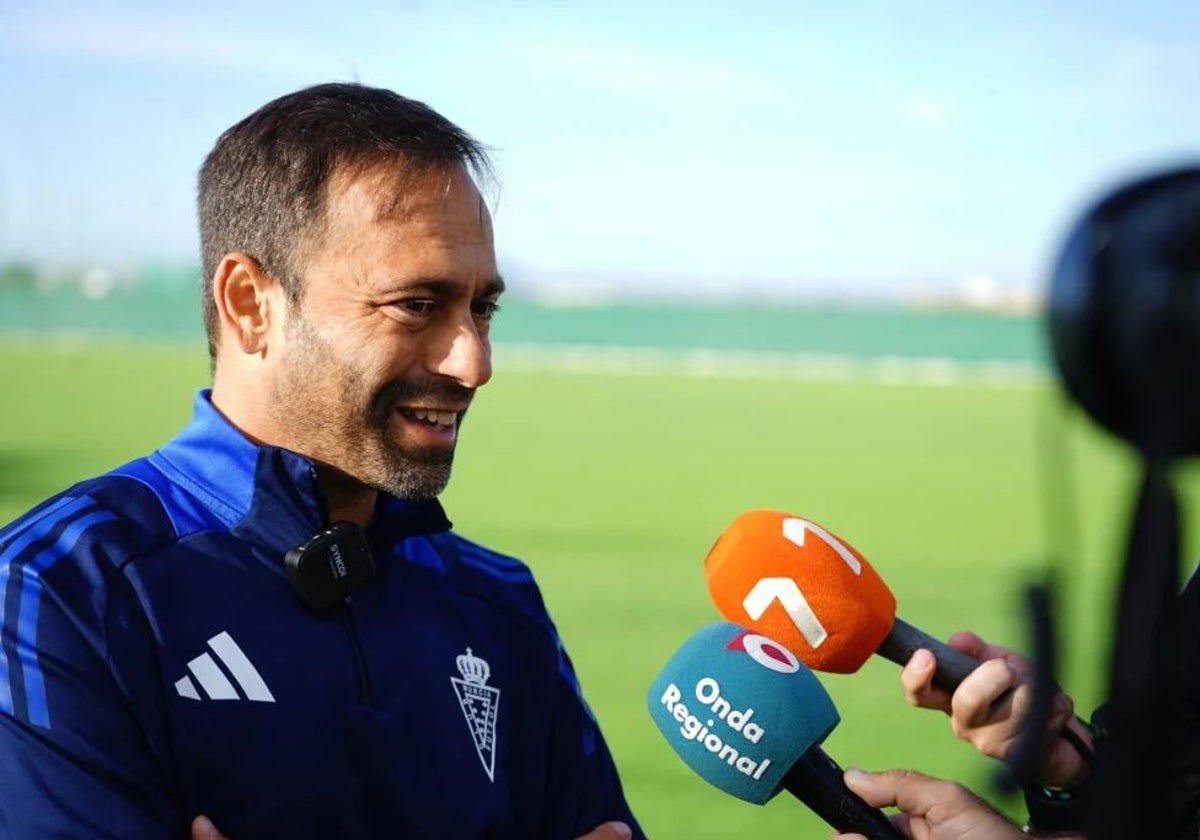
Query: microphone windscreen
[
  {"x": 791, "y": 580},
  {"x": 739, "y": 709}
]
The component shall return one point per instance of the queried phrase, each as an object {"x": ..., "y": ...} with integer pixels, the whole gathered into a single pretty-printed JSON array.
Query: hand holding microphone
[
  {"x": 991, "y": 708},
  {"x": 932, "y": 809},
  {"x": 748, "y": 717},
  {"x": 793, "y": 581}
]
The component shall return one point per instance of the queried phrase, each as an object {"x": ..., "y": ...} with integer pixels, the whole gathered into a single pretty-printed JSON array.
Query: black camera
[
  {"x": 1124, "y": 327},
  {"x": 1124, "y": 313}
]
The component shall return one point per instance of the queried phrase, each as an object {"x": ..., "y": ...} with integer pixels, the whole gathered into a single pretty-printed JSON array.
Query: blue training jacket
[{"x": 156, "y": 664}]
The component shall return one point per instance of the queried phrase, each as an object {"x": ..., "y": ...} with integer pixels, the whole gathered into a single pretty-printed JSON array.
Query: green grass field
[{"x": 613, "y": 487}]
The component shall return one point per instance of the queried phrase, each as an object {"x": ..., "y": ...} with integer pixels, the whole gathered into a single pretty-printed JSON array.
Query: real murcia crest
[{"x": 480, "y": 705}]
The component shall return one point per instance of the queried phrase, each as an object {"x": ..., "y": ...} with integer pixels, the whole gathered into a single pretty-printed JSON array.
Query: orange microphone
[{"x": 791, "y": 580}]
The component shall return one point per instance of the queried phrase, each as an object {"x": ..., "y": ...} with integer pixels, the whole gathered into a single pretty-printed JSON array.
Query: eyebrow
[{"x": 439, "y": 286}]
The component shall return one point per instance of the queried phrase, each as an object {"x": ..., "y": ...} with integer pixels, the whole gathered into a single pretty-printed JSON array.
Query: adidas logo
[{"x": 214, "y": 680}]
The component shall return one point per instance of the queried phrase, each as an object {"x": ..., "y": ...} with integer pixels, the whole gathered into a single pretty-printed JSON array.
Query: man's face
[{"x": 390, "y": 341}]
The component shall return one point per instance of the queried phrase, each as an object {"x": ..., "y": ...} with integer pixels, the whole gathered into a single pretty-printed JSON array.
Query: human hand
[
  {"x": 203, "y": 829},
  {"x": 990, "y": 708},
  {"x": 930, "y": 809}
]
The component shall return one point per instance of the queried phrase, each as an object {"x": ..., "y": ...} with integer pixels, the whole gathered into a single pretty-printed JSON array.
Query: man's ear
[{"x": 247, "y": 299}]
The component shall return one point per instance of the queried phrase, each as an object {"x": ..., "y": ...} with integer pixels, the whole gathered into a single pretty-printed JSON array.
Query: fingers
[
  {"x": 968, "y": 643},
  {"x": 932, "y": 808},
  {"x": 914, "y": 794},
  {"x": 976, "y": 646},
  {"x": 990, "y": 709},
  {"x": 1066, "y": 765},
  {"x": 203, "y": 829},
  {"x": 609, "y": 831},
  {"x": 917, "y": 682},
  {"x": 1062, "y": 713},
  {"x": 907, "y": 790},
  {"x": 876, "y": 789},
  {"x": 974, "y": 703},
  {"x": 917, "y": 677}
]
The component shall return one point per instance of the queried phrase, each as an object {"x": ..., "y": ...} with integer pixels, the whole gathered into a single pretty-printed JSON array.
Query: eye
[
  {"x": 485, "y": 310},
  {"x": 417, "y": 306}
]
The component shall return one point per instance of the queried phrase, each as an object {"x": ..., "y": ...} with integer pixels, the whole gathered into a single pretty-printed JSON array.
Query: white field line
[
  {"x": 613, "y": 360},
  {"x": 740, "y": 364}
]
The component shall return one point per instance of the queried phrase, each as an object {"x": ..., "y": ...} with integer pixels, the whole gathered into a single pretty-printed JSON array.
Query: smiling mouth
[{"x": 429, "y": 416}]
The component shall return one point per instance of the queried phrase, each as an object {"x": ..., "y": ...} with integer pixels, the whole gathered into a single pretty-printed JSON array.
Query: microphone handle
[
  {"x": 816, "y": 780},
  {"x": 903, "y": 640}
]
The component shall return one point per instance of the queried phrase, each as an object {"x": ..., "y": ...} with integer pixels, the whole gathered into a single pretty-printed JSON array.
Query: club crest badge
[{"x": 480, "y": 704}]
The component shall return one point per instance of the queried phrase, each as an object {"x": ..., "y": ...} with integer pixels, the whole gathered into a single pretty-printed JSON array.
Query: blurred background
[{"x": 760, "y": 255}]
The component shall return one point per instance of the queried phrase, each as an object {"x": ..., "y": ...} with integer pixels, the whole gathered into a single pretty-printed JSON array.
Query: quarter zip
[
  {"x": 356, "y": 652},
  {"x": 345, "y": 611}
]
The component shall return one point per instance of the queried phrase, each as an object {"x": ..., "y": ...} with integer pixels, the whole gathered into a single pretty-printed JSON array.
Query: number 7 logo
[{"x": 787, "y": 592}]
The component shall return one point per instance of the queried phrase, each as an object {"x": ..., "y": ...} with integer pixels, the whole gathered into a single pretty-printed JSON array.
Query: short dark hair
[{"x": 263, "y": 185}]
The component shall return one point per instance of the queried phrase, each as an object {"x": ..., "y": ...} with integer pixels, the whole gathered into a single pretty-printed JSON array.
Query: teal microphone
[{"x": 748, "y": 717}]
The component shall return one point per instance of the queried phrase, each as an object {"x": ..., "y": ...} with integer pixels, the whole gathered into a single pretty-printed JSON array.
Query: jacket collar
[{"x": 268, "y": 494}]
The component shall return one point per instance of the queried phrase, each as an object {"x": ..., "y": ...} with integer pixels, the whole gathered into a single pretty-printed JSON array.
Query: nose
[{"x": 466, "y": 356}]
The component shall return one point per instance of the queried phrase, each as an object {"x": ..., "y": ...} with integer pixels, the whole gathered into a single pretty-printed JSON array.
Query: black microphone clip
[{"x": 326, "y": 568}]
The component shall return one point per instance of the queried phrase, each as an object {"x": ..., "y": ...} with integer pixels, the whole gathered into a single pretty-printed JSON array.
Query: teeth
[{"x": 440, "y": 418}]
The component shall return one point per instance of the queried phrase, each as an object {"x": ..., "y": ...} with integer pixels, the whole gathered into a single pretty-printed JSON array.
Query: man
[{"x": 158, "y": 666}]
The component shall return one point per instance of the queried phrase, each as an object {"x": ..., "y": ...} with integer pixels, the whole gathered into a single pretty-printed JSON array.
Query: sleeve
[
  {"x": 585, "y": 789},
  {"x": 75, "y": 757},
  {"x": 1185, "y": 776},
  {"x": 1062, "y": 810}
]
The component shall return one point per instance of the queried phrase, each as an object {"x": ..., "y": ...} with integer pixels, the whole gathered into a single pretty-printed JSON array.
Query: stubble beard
[{"x": 336, "y": 418}]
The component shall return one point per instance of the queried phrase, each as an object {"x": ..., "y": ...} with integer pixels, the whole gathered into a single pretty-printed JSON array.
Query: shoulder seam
[
  {"x": 224, "y": 511},
  {"x": 534, "y": 613}
]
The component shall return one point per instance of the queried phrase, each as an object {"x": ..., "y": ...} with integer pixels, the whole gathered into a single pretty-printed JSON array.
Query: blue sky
[{"x": 788, "y": 144}]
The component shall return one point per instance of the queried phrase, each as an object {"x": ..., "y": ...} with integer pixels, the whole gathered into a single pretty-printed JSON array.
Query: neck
[
  {"x": 241, "y": 406},
  {"x": 346, "y": 499}
]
